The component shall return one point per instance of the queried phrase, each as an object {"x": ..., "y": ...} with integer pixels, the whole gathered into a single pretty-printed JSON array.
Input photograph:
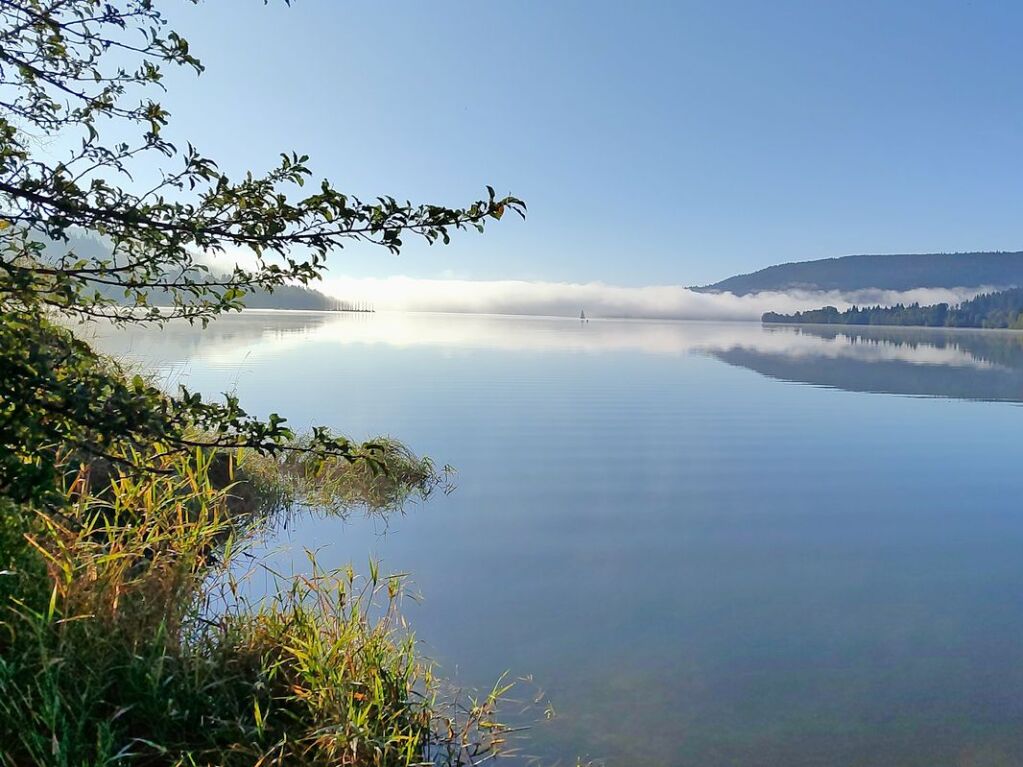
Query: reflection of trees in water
[
  {"x": 965, "y": 364},
  {"x": 993, "y": 346},
  {"x": 997, "y": 376}
]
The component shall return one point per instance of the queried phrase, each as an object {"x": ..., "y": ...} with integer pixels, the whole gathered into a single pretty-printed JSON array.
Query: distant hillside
[
  {"x": 283, "y": 297},
  {"x": 1003, "y": 309},
  {"x": 899, "y": 272}
]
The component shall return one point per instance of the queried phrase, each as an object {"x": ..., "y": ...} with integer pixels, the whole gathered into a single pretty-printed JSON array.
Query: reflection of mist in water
[
  {"x": 959, "y": 363},
  {"x": 1000, "y": 347},
  {"x": 799, "y": 344},
  {"x": 270, "y": 332},
  {"x": 965, "y": 364}
]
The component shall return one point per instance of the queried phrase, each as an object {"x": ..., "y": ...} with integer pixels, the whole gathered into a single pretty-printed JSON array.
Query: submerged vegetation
[
  {"x": 1002, "y": 309},
  {"x": 125, "y": 637}
]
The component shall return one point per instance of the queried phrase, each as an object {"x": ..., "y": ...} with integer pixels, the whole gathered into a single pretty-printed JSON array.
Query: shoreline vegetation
[
  {"x": 125, "y": 636},
  {"x": 998, "y": 310}
]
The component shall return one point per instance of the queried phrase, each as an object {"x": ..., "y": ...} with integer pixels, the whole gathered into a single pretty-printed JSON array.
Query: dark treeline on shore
[{"x": 1003, "y": 309}]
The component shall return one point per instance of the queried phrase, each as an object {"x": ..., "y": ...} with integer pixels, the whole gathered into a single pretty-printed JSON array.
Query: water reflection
[
  {"x": 967, "y": 364},
  {"x": 700, "y": 564},
  {"x": 964, "y": 364}
]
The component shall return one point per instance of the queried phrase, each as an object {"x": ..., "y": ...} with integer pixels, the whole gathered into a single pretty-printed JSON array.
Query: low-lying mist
[{"x": 602, "y": 300}]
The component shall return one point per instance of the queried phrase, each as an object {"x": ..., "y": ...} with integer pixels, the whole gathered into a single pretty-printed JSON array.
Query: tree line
[{"x": 1002, "y": 309}]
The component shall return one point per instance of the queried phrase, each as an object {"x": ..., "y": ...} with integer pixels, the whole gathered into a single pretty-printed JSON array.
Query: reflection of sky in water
[
  {"x": 702, "y": 565},
  {"x": 229, "y": 340}
]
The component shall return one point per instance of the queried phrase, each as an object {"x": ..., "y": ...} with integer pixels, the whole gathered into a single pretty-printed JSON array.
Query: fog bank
[{"x": 602, "y": 300}]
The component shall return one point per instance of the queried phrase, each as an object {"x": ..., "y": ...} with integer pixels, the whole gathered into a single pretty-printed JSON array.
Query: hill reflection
[{"x": 962, "y": 364}]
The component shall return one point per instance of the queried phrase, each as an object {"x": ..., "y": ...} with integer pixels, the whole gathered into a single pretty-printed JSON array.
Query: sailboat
[{"x": 582, "y": 316}]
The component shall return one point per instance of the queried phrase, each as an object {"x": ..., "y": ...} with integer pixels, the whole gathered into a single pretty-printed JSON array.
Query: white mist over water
[{"x": 599, "y": 299}]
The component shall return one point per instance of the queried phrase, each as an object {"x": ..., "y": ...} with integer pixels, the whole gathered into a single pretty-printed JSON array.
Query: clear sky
[{"x": 655, "y": 142}]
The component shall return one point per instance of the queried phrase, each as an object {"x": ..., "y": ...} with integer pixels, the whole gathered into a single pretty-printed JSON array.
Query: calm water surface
[{"x": 710, "y": 544}]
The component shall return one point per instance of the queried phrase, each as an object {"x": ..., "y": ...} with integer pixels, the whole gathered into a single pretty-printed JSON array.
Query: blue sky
[{"x": 655, "y": 143}]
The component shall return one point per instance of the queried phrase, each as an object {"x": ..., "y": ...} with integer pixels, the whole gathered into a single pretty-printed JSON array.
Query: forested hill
[
  {"x": 991, "y": 310},
  {"x": 897, "y": 272},
  {"x": 283, "y": 297}
]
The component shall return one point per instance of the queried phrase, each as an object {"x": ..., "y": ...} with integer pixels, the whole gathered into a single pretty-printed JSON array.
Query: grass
[
  {"x": 123, "y": 638},
  {"x": 293, "y": 482}
]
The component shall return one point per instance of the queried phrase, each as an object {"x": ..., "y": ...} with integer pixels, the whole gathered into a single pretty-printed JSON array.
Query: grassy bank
[{"x": 123, "y": 638}]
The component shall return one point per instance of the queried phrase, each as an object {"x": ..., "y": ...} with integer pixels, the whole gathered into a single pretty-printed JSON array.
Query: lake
[{"x": 710, "y": 544}]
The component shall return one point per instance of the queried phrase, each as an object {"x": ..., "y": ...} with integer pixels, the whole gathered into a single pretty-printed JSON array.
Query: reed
[{"x": 125, "y": 638}]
